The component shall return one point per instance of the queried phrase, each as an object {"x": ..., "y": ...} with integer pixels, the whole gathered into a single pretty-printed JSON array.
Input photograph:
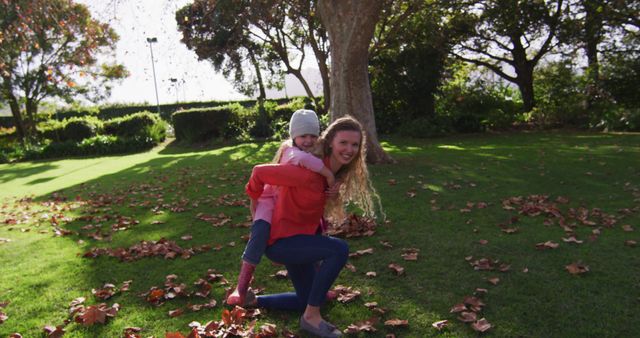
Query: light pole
[{"x": 153, "y": 67}]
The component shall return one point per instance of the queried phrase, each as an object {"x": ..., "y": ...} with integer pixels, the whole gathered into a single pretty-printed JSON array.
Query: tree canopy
[
  {"x": 49, "y": 48},
  {"x": 272, "y": 36}
]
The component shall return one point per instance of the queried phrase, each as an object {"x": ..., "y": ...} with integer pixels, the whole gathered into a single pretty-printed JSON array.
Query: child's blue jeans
[
  {"x": 257, "y": 244},
  {"x": 300, "y": 254}
]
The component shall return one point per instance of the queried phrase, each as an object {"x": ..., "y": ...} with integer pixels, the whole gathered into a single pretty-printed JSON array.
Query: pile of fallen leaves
[
  {"x": 234, "y": 323},
  {"x": 81, "y": 314},
  {"x": 161, "y": 248},
  {"x": 353, "y": 226},
  {"x": 172, "y": 290},
  {"x": 468, "y": 312},
  {"x": 487, "y": 264}
]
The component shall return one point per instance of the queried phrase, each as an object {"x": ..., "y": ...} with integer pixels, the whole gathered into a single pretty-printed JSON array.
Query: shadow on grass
[
  {"x": 20, "y": 170},
  {"x": 179, "y": 148}
]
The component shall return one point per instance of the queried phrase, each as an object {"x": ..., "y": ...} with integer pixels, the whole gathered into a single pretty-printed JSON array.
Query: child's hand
[
  {"x": 331, "y": 180},
  {"x": 252, "y": 207},
  {"x": 334, "y": 190}
]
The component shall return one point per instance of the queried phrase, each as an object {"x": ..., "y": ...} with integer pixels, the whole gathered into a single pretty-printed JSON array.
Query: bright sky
[{"x": 135, "y": 21}]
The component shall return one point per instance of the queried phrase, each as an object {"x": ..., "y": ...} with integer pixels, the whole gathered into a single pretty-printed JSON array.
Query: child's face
[{"x": 305, "y": 142}]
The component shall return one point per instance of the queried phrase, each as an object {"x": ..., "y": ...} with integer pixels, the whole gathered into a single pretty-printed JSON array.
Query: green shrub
[
  {"x": 78, "y": 129},
  {"x": 619, "y": 119},
  {"x": 131, "y": 125},
  {"x": 475, "y": 105},
  {"x": 7, "y": 131},
  {"x": 75, "y": 111},
  {"x": 51, "y": 130},
  {"x": 425, "y": 127},
  {"x": 560, "y": 98},
  {"x": 94, "y": 146},
  {"x": 195, "y": 125}
]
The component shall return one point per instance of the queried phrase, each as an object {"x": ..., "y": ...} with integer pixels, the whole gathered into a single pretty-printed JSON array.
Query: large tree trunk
[
  {"x": 31, "y": 106},
  {"x": 592, "y": 38},
  {"x": 7, "y": 94},
  {"x": 15, "y": 111},
  {"x": 321, "y": 59},
  {"x": 350, "y": 24},
  {"x": 256, "y": 66},
  {"x": 524, "y": 74}
]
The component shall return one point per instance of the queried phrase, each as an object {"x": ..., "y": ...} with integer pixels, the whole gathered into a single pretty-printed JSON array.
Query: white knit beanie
[{"x": 304, "y": 121}]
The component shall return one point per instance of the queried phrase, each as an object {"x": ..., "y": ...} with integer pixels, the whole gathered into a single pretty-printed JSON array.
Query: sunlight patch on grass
[
  {"x": 451, "y": 147},
  {"x": 432, "y": 187},
  {"x": 497, "y": 157}
]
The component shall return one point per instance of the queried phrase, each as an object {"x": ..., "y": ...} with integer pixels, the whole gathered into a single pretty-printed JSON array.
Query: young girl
[{"x": 304, "y": 129}]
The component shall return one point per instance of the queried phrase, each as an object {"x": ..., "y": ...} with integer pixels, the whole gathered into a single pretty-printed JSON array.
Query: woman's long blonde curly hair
[{"x": 356, "y": 186}]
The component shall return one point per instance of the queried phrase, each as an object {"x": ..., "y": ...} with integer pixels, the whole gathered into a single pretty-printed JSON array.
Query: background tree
[
  {"x": 350, "y": 25},
  {"x": 49, "y": 48},
  {"x": 218, "y": 32},
  {"x": 274, "y": 35},
  {"x": 603, "y": 30},
  {"x": 411, "y": 46},
  {"x": 510, "y": 33}
]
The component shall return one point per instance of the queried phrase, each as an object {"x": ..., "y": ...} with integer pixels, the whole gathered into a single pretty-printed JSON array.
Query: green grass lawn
[{"x": 452, "y": 198}]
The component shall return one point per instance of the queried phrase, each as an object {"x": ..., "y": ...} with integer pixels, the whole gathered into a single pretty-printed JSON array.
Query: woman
[{"x": 294, "y": 240}]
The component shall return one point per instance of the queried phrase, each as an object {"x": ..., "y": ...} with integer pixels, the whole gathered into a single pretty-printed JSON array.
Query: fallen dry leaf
[
  {"x": 577, "y": 268},
  {"x": 282, "y": 274},
  {"x": 346, "y": 293},
  {"x": 397, "y": 269},
  {"x": 481, "y": 291},
  {"x": 96, "y": 314},
  {"x": 630, "y": 243},
  {"x": 481, "y": 325},
  {"x": 572, "y": 239},
  {"x": 176, "y": 312},
  {"x": 54, "y": 332},
  {"x": 440, "y": 325},
  {"x": 359, "y": 253},
  {"x": 362, "y": 326},
  {"x": 473, "y": 303},
  {"x": 547, "y": 245},
  {"x": 458, "y": 308},
  {"x": 396, "y": 322},
  {"x": 132, "y": 332},
  {"x": 410, "y": 256},
  {"x": 371, "y": 274},
  {"x": 494, "y": 280},
  {"x": 627, "y": 228},
  {"x": 467, "y": 317},
  {"x": 386, "y": 244}
]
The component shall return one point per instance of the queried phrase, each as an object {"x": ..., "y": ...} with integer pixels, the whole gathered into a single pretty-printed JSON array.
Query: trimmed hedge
[
  {"x": 80, "y": 129},
  {"x": 200, "y": 124},
  {"x": 131, "y": 125},
  {"x": 51, "y": 130},
  {"x": 95, "y": 146}
]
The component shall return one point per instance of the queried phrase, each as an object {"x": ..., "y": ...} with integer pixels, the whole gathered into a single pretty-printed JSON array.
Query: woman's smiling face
[{"x": 345, "y": 146}]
